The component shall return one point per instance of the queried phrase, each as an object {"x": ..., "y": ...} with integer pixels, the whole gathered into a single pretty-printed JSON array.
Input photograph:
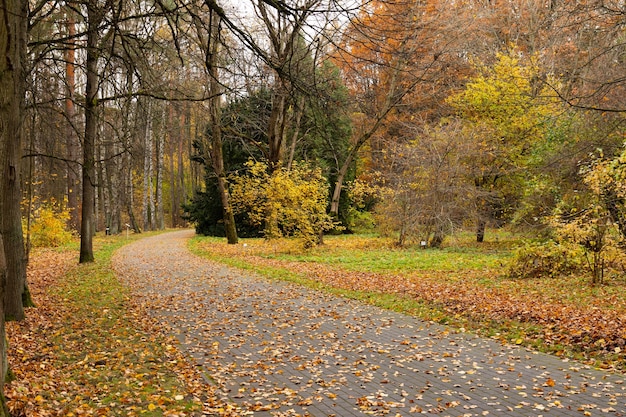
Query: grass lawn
[{"x": 462, "y": 284}]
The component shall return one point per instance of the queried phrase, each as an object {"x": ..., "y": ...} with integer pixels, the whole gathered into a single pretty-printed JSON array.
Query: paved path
[{"x": 281, "y": 350}]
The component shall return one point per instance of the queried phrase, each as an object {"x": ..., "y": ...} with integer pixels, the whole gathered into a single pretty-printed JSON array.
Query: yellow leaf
[{"x": 151, "y": 407}]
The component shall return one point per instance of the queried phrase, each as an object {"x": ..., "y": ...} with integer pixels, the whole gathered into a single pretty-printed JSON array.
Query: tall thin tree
[
  {"x": 215, "y": 147},
  {"x": 95, "y": 16},
  {"x": 73, "y": 146}
]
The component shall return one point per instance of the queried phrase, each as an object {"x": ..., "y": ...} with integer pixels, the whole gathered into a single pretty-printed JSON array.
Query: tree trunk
[
  {"x": 480, "y": 230},
  {"x": 276, "y": 128},
  {"x": 174, "y": 193},
  {"x": 148, "y": 195},
  {"x": 103, "y": 190},
  {"x": 160, "y": 144},
  {"x": 296, "y": 132},
  {"x": 131, "y": 200},
  {"x": 195, "y": 169},
  {"x": 352, "y": 153},
  {"x": 91, "y": 102},
  {"x": 12, "y": 74},
  {"x": 217, "y": 157},
  {"x": 481, "y": 210},
  {"x": 438, "y": 236},
  {"x": 73, "y": 147},
  {"x": 99, "y": 203},
  {"x": 111, "y": 180},
  {"x": 130, "y": 194},
  {"x": 181, "y": 157},
  {"x": 132, "y": 110},
  {"x": 12, "y": 223},
  {"x": 4, "y": 362},
  {"x": 13, "y": 30}
]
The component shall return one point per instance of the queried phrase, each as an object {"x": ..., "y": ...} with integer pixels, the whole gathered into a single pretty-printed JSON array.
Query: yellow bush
[
  {"x": 545, "y": 259},
  {"x": 49, "y": 226},
  {"x": 284, "y": 203}
]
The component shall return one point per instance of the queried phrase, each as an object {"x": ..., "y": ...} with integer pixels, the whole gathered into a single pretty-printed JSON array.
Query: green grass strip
[{"x": 111, "y": 365}]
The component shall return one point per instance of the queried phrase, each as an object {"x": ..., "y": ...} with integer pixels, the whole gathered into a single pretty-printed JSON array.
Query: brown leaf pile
[{"x": 30, "y": 350}]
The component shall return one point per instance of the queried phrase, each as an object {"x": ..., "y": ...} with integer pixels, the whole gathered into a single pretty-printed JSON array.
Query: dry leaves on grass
[
  {"x": 596, "y": 331},
  {"x": 72, "y": 357}
]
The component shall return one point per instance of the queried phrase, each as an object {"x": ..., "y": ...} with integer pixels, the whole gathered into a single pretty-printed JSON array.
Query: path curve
[{"x": 281, "y": 350}]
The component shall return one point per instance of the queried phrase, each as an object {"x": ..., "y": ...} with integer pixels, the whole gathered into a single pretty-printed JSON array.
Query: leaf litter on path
[
  {"x": 596, "y": 330},
  {"x": 278, "y": 349}
]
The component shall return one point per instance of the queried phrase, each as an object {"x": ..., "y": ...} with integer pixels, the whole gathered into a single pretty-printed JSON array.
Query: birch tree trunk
[
  {"x": 131, "y": 109},
  {"x": 103, "y": 197},
  {"x": 186, "y": 120},
  {"x": 171, "y": 152},
  {"x": 111, "y": 185},
  {"x": 130, "y": 196},
  {"x": 160, "y": 213},
  {"x": 148, "y": 193},
  {"x": 73, "y": 147}
]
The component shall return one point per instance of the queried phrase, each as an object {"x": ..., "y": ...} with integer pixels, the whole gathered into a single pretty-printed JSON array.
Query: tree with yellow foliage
[{"x": 505, "y": 111}]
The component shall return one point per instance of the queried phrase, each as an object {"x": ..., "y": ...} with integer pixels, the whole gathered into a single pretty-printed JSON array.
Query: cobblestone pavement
[{"x": 281, "y": 350}]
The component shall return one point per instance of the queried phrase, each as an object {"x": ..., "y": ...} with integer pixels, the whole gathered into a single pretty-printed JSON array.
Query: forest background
[{"x": 276, "y": 118}]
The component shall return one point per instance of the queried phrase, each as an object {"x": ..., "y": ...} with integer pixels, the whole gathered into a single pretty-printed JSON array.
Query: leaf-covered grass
[
  {"x": 462, "y": 284},
  {"x": 86, "y": 349}
]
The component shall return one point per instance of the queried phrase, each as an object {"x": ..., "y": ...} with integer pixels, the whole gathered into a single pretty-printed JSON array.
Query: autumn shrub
[
  {"x": 284, "y": 202},
  {"x": 594, "y": 218},
  {"x": 585, "y": 241},
  {"x": 366, "y": 193},
  {"x": 426, "y": 195},
  {"x": 363, "y": 196},
  {"x": 49, "y": 226},
  {"x": 544, "y": 259}
]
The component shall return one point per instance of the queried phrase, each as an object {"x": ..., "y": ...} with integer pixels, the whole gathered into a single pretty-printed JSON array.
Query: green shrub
[
  {"x": 545, "y": 259},
  {"x": 360, "y": 221}
]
